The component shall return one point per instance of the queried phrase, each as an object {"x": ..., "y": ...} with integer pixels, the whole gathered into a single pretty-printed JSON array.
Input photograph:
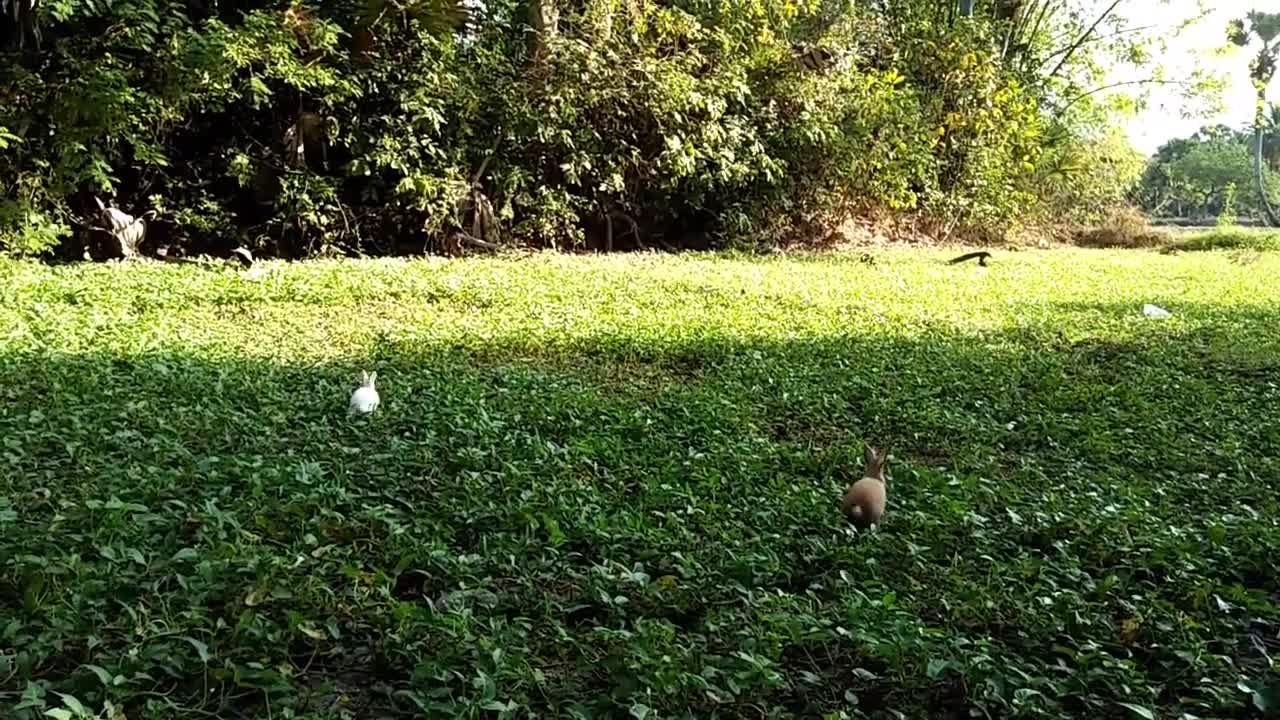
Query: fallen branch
[{"x": 472, "y": 240}]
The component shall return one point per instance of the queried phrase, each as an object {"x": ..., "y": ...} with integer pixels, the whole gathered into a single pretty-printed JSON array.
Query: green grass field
[{"x": 608, "y": 487}]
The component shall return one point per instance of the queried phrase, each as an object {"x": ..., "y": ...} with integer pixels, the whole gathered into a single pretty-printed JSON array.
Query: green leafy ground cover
[
  {"x": 1230, "y": 238},
  {"x": 607, "y": 487}
]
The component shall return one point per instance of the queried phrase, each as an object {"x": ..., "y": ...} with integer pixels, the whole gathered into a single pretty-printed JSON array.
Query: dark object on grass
[
  {"x": 126, "y": 231},
  {"x": 982, "y": 256},
  {"x": 867, "y": 259},
  {"x": 244, "y": 256},
  {"x": 812, "y": 58}
]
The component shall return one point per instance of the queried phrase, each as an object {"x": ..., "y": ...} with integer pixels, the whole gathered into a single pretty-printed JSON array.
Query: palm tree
[
  {"x": 1266, "y": 28},
  {"x": 1271, "y": 138}
]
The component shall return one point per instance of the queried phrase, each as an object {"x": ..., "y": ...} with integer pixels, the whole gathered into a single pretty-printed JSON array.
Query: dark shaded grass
[{"x": 597, "y": 525}]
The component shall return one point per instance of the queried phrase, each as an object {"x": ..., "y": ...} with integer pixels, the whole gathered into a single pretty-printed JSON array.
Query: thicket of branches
[{"x": 389, "y": 126}]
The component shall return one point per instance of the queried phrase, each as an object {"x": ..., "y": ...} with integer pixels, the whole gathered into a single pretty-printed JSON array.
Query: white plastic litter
[{"x": 1155, "y": 311}]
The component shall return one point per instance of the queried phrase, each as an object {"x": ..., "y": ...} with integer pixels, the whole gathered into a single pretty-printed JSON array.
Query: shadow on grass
[{"x": 620, "y": 517}]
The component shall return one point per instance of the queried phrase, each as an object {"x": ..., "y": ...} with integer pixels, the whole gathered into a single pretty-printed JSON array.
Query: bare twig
[
  {"x": 346, "y": 223},
  {"x": 1045, "y": 11},
  {"x": 1095, "y": 91},
  {"x": 1117, "y": 33},
  {"x": 1081, "y": 40},
  {"x": 493, "y": 149}
]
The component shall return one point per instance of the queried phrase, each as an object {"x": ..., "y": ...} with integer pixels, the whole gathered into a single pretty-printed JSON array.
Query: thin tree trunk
[
  {"x": 1262, "y": 71},
  {"x": 544, "y": 21},
  {"x": 1272, "y": 218}
]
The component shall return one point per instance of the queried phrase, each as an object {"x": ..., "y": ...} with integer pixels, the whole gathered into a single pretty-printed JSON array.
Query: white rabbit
[{"x": 365, "y": 398}]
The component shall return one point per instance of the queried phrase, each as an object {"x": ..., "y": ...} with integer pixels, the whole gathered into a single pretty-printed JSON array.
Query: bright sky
[{"x": 1162, "y": 120}]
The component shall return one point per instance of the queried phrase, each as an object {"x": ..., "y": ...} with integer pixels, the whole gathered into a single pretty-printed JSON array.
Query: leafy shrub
[
  {"x": 1086, "y": 180},
  {"x": 380, "y": 126},
  {"x": 25, "y": 230},
  {"x": 1231, "y": 238}
]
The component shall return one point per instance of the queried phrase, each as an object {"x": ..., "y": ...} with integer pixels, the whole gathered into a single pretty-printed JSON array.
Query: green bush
[
  {"x": 1087, "y": 180},
  {"x": 1231, "y": 238},
  {"x": 1227, "y": 215},
  {"x": 27, "y": 231},
  {"x": 380, "y": 127}
]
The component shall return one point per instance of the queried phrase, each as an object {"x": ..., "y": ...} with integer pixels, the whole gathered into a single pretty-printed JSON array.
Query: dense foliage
[
  {"x": 1086, "y": 179},
  {"x": 608, "y": 488},
  {"x": 398, "y": 125}
]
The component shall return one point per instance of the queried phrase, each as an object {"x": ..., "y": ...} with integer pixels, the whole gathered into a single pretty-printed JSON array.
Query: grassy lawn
[{"x": 608, "y": 487}]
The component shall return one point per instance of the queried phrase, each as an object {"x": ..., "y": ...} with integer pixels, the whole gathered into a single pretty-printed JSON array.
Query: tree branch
[
  {"x": 1081, "y": 40},
  {"x": 1049, "y": 7},
  {"x": 1117, "y": 33},
  {"x": 1111, "y": 86},
  {"x": 484, "y": 164}
]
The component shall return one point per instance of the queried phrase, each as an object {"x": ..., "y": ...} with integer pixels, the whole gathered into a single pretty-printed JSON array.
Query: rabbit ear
[
  {"x": 364, "y": 377},
  {"x": 373, "y": 377},
  {"x": 875, "y": 461}
]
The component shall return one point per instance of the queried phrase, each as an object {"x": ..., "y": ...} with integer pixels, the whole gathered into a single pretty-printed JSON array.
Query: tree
[
  {"x": 1271, "y": 138},
  {"x": 1084, "y": 181},
  {"x": 301, "y": 127},
  {"x": 1265, "y": 28},
  {"x": 1191, "y": 176}
]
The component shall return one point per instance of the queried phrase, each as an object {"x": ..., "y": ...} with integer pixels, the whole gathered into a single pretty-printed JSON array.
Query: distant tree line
[{"x": 1211, "y": 172}]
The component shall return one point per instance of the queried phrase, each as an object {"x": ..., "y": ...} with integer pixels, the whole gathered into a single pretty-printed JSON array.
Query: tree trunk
[
  {"x": 1271, "y": 217},
  {"x": 23, "y": 15},
  {"x": 544, "y": 21},
  {"x": 599, "y": 21}
]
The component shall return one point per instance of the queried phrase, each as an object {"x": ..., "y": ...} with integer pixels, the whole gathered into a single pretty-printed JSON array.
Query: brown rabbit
[{"x": 865, "y": 500}]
